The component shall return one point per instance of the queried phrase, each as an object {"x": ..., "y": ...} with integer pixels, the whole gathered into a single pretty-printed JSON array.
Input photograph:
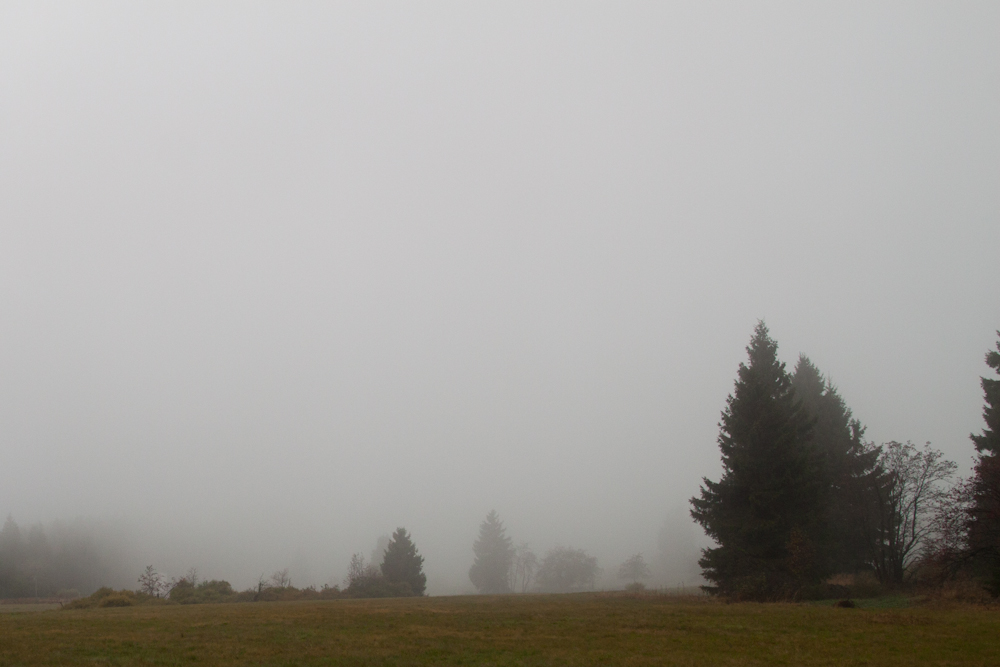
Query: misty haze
[{"x": 278, "y": 279}]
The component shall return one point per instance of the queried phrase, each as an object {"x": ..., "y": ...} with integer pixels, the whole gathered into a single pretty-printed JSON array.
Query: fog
[{"x": 277, "y": 278}]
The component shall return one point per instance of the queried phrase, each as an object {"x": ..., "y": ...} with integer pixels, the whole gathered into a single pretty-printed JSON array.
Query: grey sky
[{"x": 278, "y": 278}]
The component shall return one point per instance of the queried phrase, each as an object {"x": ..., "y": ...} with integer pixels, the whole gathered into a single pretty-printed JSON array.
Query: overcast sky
[{"x": 278, "y": 278}]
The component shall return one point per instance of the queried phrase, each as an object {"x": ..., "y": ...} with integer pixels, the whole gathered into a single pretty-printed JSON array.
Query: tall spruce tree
[
  {"x": 848, "y": 470},
  {"x": 402, "y": 563},
  {"x": 765, "y": 512},
  {"x": 984, "y": 515},
  {"x": 989, "y": 440},
  {"x": 494, "y": 550}
]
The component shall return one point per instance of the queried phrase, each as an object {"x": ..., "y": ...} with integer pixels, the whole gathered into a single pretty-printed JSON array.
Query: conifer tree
[
  {"x": 494, "y": 550},
  {"x": 402, "y": 563},
  {"x": 984, "y": 515},
  {"x": 989, "y": 440},
  {"x": 765, "y": 511},
  {"x": 848, "y": 469}
]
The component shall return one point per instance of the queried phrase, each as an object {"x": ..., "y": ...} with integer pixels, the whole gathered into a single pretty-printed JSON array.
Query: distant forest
[{"x": 63, "y": 559}]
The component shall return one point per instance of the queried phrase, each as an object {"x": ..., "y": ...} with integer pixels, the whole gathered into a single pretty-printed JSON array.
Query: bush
[
  {"x": 184, "y": 592},
  {"x": 105, "y": 597},
  {"x": 101, "y": 593},
  {"x": 118, "y": 599},
  {"x": 219, "y": 591},
  {"x": 181, "y": 592}
]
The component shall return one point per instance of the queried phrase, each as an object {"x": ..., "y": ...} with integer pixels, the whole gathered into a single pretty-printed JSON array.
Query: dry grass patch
[{"x": 515, "y": 630}]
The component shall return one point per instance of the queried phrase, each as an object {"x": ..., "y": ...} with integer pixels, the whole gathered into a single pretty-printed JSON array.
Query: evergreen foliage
[
  {"x": 989, "y": 440},
  {"x": 491, "y": 571},
  {"x": 984, "y": 515},
  {"x": 766, "y": 512},
  {"x": 908, "y": 488},
  {"x": 189, "y": 591},
  {"x": 402, "y": 564},
  {"x": 849, "y": 469}
]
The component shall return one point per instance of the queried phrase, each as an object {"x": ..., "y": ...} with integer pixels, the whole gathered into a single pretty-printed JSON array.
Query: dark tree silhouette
[
  {"x": 849, "y": 469},
  {"x": 402, "y": 563},
  {"x": 765, "y": 513},
  {"x": 984, "y": 515}
]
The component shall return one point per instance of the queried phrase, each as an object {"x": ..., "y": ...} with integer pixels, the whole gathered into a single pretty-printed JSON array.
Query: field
[{"x": 595, "y": 629}]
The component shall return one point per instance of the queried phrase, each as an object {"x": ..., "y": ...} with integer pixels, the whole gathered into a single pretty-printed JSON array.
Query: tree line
[
  {"x": 58, "y": 560},
  {"x": 803, "y": 496},
  {"x": 500, "y": 568},
  {"x": 399, "y": 574}
]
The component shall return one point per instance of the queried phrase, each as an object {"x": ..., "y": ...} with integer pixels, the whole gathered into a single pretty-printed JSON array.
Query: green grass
[{"x": 516, "y": 630}]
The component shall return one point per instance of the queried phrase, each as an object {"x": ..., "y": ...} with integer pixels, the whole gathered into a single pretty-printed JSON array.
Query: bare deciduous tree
[
  {"x": 280, "y": 579},
  {"x": 151, "y": 582},
  {"x": 947, "y": 542},
  {"x": 523, "y": 570},
  {"x": 359, "y": 570},
  {"x": 905, "y": 493}
]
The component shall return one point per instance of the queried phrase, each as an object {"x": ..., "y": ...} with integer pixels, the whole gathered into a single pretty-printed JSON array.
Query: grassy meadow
[{"x": 594, "y": 629}]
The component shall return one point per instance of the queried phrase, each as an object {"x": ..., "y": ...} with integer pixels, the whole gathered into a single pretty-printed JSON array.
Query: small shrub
[
  {"x": 79, "y": 603},
  {"x": 118, "y": 599},
  {"x": 107, "y": 597},
  {"x": 182, "y": 591},
  {"x": 101, "y": 593},
  {"x": 249, "y": 595}
]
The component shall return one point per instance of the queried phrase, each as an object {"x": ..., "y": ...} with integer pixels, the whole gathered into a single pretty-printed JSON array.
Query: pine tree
[
  {"x": 765, "y": 511},
  {"x": 491, "y": 571},
  {"x": 402, "y": 564},
  {"x": 984, "y": 515},
  {"x": 848, "y": 469},
  {"x": 989, "y": 440}
]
